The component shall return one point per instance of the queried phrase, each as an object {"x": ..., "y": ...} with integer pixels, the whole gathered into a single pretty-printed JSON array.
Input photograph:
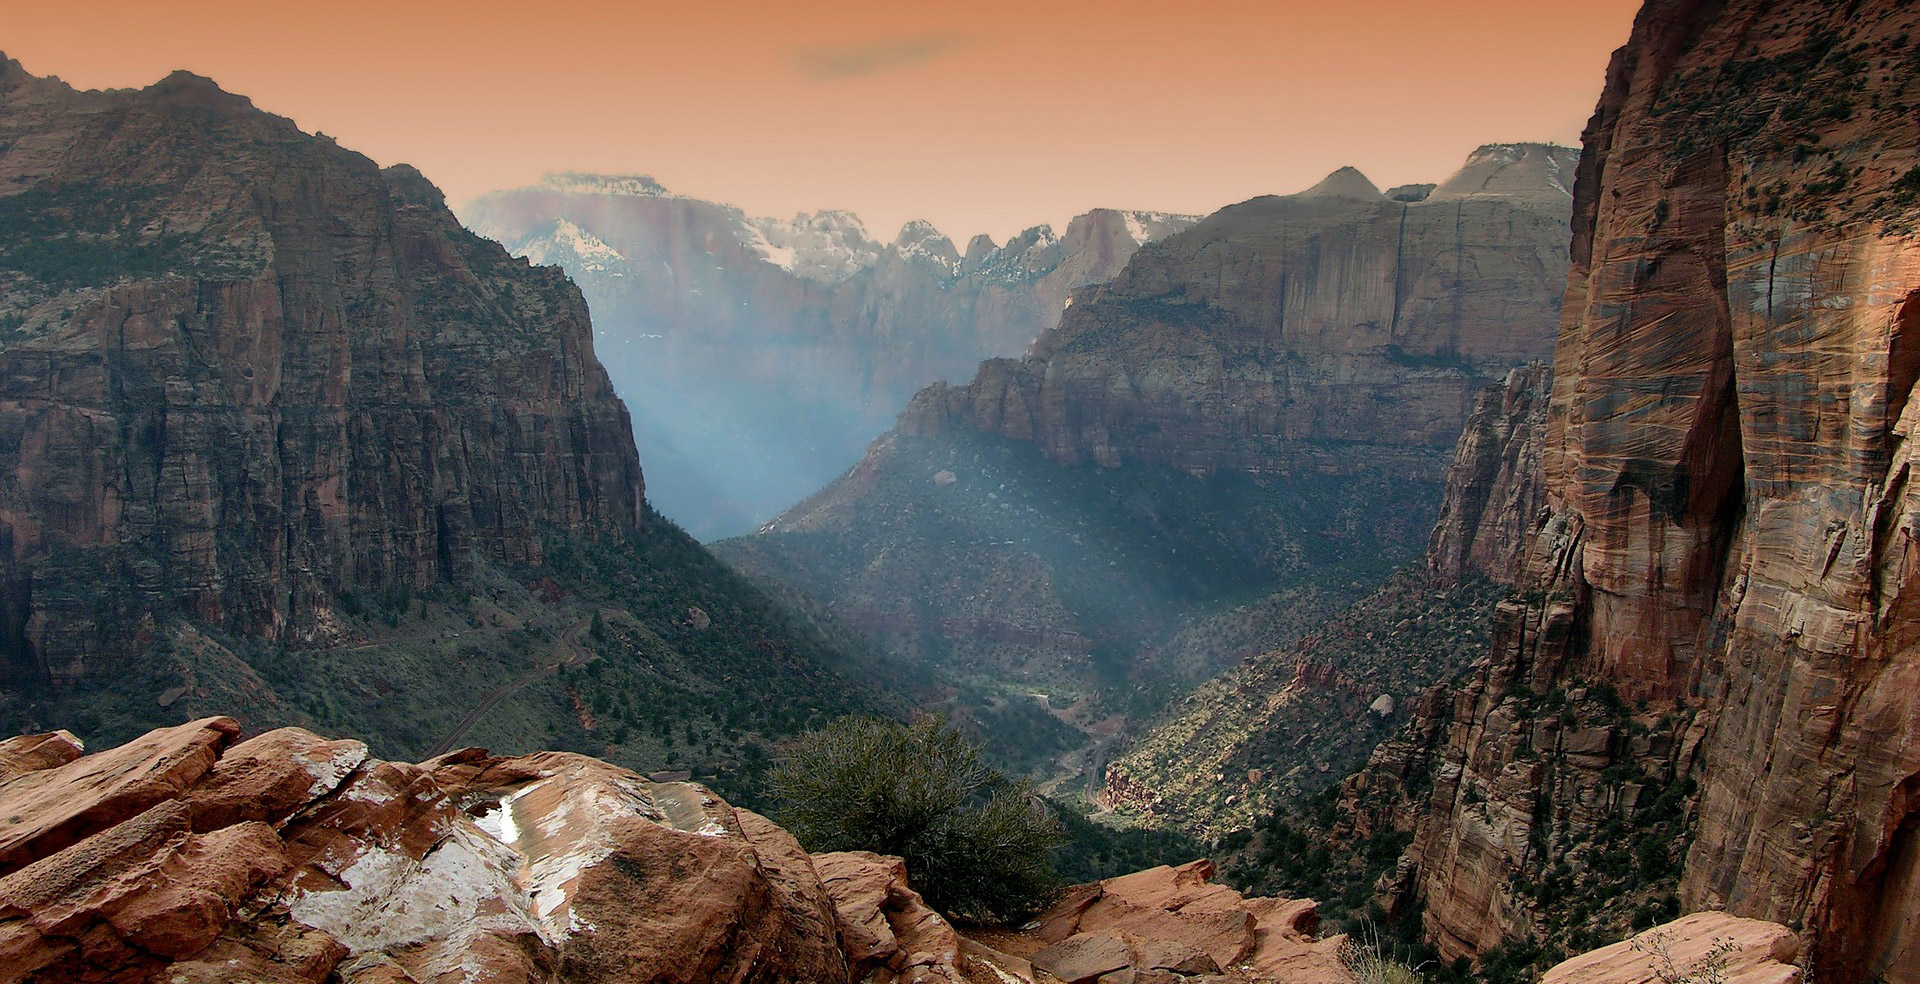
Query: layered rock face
[
  {"x": 1494, "y": 489},
  {"x": 1281, "y": 326},
  {"x": 244, "y": 371},
  {"x": 762, "y": 355},
  {"x": 1718, "y": 596}
]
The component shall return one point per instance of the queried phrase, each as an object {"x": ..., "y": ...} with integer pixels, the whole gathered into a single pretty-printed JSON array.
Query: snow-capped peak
[
  {"x": 919, "y": 239},
  {"x": 827, "y": 246},
  {"x": 570, "y": 246},
  {"x": 1145, "y": 227},
  {"x": 618, "y": 185}
]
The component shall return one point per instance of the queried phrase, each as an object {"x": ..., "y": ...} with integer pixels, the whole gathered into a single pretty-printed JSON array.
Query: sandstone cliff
[
  {"x": 276, "y": 433},
  {"x": 1713, "y": 632},
  {"x": 249, "y": 371},
  {"x": 1283, "y": 326},
  {"x": 762, "y": 355}
]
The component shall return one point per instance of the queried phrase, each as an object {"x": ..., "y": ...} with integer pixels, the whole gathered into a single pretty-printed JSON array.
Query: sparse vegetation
[
  {"x": 1370, "y": 961},
  {"x": 978, "y": 846},
  {"x": 1711, "y": 968}
]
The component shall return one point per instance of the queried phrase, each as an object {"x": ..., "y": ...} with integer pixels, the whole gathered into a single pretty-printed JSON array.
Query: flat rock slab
[
  {"x": 1712, "y": 945},
  {"x": 1084, "y": 958}
]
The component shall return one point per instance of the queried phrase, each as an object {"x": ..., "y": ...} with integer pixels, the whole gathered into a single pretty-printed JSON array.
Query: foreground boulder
[
  {"x": 1704, "y": 947},
  {"x": 887, "y": 931},
  {"x": 288, "y": 858},
  {"x": 1167, "y": 925}
]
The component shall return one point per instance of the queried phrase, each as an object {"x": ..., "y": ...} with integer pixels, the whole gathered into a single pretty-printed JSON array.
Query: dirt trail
[{"x": 576, "y": 655}]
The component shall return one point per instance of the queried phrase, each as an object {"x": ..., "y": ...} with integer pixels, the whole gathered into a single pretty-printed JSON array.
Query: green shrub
[{"x": 978, "y": 847}]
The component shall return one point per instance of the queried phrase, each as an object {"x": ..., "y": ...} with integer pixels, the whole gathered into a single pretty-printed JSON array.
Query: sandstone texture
[
  {"x": 289, "y": 858},
  {"x": 245, "y": 371},
  {"x": 886, "y": 930},
  {"x": 762, "y": 355},
  {"x": 1172, "y": 924},
  {"x": 1702, "y": 695},
  {"x": 1494, "y": 491},
  {"x": 1739, "y": 951}
]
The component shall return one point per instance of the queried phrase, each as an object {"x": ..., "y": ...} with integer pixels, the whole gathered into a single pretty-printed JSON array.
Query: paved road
[{"x": 576, "y": 654}]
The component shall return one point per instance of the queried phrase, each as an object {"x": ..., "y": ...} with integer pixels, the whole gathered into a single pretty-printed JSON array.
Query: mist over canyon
[{"x": 1500, "y": 578}]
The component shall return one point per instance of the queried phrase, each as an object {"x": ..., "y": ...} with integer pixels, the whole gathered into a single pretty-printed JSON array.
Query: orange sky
[{"x": 984, "y": 116}]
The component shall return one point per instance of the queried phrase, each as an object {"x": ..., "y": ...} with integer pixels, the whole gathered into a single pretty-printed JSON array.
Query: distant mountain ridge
[{"x": 763, "y": 354}]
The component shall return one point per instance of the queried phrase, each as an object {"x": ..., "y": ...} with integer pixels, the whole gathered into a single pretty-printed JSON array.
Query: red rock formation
[
  {"x": 1730, "y": 517},
  {"x": 253, "y": 371},
  {"x": 1711, "y": 946},
  {"x": 291, "y": 859},
  {"x": 294, "y": 858},
  {"x": 1174, "y": 921},
  {"x": 886, "y": 930}
]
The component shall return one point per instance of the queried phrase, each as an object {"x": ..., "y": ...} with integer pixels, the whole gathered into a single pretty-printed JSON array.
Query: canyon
[
  {"x": 1699, "y": 694},
  {"x": 1545, "y": 611},
  {"x": 762, "y": 355},
  {"x": 1244, "y": 432}
]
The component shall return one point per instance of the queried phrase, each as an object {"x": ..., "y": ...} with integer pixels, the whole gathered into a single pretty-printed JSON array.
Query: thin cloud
[{"x": 876, "y": 57}]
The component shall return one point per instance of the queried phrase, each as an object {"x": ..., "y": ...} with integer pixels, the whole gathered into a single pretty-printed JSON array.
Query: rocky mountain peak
[
  {"x": 919, "y": 239},
  {"x": 1538, "y": 171},
  {"x": 1347, "y": 182},
  {"x": 917, "y": 231},
  {"x": 827, "y": 246},
  {"x": 979, "y": 248},
  {"x": 410, "y": 187},
  {"x": 11, "y": 70}
]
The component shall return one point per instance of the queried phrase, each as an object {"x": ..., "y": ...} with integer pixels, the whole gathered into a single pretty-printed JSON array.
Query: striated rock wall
[
  {"x": 247, "y": 370},
  {"x": 1495, "y": 489},
  {"x": 1283, "y": 325},
  {"x": 1718, "y": 598}
]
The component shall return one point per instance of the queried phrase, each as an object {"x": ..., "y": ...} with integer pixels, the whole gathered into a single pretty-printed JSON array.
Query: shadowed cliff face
[
  {"x": 245, "y": 370},
  {"x": 1727, "y": 553},
  {"x": 1262, "y": 404},
  {"x": 761, "y": 355}
]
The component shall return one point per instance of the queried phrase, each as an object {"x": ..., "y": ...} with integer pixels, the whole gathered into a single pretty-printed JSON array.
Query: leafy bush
[{"x": 978, "y": 847}]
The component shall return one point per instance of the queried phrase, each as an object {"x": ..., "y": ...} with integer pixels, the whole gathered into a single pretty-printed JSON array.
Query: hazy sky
[{"x": 984, "y": 116}]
